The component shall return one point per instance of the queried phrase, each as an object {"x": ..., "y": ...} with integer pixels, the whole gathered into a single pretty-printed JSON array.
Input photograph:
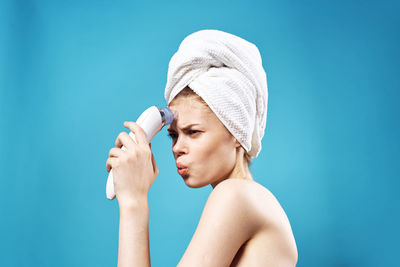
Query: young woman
[{"x": 217, "y": 87}]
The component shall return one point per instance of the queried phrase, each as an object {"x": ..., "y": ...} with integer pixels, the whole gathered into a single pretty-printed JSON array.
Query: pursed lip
[
  {"x": 182, "y": 169},
  {"x": 180, "y": 166}
]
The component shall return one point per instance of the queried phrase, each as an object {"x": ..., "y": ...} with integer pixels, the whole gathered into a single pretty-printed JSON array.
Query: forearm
[{"x": 133, "y": 248}]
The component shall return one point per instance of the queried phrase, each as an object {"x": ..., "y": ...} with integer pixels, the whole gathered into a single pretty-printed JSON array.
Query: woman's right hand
[{"x": 134, "y": 169}]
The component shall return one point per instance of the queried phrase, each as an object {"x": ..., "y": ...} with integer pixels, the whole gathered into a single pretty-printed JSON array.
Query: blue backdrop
[{"x": 72, "y": 71}]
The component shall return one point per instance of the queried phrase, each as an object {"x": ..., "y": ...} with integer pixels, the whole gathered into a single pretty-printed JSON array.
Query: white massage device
[{"x": 151, "y": 120}]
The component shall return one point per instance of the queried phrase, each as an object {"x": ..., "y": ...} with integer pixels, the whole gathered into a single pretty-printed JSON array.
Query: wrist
[{"x": 134, "y": 204}]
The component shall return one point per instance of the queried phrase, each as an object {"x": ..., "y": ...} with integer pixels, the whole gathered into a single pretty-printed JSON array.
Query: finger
[
  {"x": 111, "y": 162},
  {"x": 155, "y": 168},
  {"x": 125, "y": 140},
  {"x": 140, "y": 135},
  {"x": 115, "y": 152}
]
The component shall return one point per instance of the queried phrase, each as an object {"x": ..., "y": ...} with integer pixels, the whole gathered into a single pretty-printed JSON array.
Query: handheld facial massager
[{"x": 151, "y": 120}]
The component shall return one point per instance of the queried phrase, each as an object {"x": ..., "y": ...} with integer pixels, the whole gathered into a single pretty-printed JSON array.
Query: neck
[{"x": 240, "y": 171}]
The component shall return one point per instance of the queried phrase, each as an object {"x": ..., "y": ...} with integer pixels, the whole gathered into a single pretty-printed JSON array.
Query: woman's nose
[{"x": 179, "y": 146}]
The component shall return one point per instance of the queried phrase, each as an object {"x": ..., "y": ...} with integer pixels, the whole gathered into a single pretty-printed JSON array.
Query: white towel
[{"x": 226, "y": 72}]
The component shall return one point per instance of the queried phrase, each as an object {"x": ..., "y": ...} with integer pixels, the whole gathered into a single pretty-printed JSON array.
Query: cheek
[{"x": 217, "y": 157}]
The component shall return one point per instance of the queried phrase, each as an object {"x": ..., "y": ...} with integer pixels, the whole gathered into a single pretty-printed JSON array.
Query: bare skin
[{"x": 242, "y": 223}]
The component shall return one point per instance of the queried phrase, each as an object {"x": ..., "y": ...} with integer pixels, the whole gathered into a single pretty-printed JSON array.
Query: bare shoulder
[
  {"x": 272, "y": 238},
  {"x": 244, "y": 198},
  {"x": 256, "y": 199},
  {"x": 241, "y": 222},
  {"x": 226, "y": 223}
]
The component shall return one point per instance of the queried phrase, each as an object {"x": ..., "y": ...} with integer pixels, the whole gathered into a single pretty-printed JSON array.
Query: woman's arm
[
  {"x": 134, "y": 172},
  {"x": 133, "y": 247}
]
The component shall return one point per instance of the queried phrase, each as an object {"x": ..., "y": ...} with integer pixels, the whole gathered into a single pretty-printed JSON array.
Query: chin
[{"x": 193, "y": 182}]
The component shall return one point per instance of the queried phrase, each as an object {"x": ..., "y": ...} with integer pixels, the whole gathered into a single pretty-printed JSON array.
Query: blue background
[{"x": 72, "y": 71}]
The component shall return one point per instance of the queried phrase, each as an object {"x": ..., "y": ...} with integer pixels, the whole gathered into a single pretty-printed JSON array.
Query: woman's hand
[{"x": 134, "y": 169}]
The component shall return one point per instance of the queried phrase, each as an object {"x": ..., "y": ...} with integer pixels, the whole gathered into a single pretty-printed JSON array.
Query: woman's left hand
[{"x": 134, "y": 170}]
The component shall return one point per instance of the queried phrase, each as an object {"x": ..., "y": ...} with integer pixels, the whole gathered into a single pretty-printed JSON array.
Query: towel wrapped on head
[{"x": 226, "y": 72}]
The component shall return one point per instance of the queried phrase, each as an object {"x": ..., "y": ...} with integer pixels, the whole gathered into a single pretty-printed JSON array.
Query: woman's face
[{"x": 204, "y": 150}]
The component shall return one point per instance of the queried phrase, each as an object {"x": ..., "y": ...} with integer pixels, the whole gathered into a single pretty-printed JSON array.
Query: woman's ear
[{"x": 237, "y": 144}]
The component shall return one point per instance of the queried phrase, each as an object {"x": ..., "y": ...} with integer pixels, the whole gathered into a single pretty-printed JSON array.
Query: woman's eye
[
  {"x": 172, "y": 135},
  {"x": 189, "y": 132},
  {"x": 193, "y": 132}
]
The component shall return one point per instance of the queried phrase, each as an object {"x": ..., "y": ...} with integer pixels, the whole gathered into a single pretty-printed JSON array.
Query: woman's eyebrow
[{"x": 184, "y": 127}]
